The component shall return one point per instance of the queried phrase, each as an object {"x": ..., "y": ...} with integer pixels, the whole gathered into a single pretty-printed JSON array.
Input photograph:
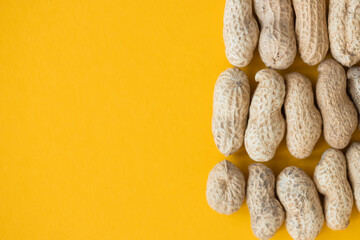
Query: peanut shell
[
  {"x": 331, "y": 180},
  {"x": 303, "y": 119},
  {"x": 344, "y": 31},
  {"x": 266, "y": 213},
  {"x": 298, "y": 195},
  {"x": 311, "y": 30},
  {"x": 353, "y": 164},
  {"x": 241, "y": 32},
  {"x": 266, "y": 125},
  {"x": 353, "y": 75},
  {"x": 337, "y": 110},
  {"x": 225, "y": 191},
  {"x": 230, "y": 110},
  {"x": 277, "y": 43}
]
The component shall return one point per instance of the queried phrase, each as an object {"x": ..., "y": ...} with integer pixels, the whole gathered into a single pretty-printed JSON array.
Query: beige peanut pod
[
  {"x": 353, "y": 164},
  {"x": 337, "y": 110},
  {"x": 225, "y": 190},
  {"x": 266, "y": 125},
  {"x": 331, "y": 180},
  {"x": 311, "y": 30},
  {"x": 303, "y": 119},
  {"x": 353, "y": 75},
  {"x": 298, "y": 195},
  {"x": 230, "y": 110},
  {"x": 266, "y": 212},
  {"x": 277, "y": 43},
  {"x": 344, "y": 31},
  {"x": 241, "y": 32}
]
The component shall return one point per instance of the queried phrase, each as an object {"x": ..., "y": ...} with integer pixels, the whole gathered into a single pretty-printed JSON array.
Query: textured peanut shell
[
  {"x": 241, "y": 32},
  {"x": 353, "y": 163},
  {"x": 230, "y": 110},
  {"x": 298, "y": 195},
  {"x": 225, "y": 190},
  {"x": 353, "y": 75},
  {"x": 331, "y": 180},
  {"x": 277, "y": 43},
  {"x": 311, "y": 30},
  {"x": 266, "y": 212},
  {"x": 303, "y": 119},
  {"x": 266, "y": 125},
  {"x": 344, "y": 31},
  {"x": 337, "y": 110}
]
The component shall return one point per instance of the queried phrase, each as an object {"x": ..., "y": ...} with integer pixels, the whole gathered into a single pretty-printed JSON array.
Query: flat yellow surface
[{"x": 105, "y": 121}]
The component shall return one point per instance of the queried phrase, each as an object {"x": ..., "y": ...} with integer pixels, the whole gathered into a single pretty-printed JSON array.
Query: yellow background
[{"x": 105, "y": 121}]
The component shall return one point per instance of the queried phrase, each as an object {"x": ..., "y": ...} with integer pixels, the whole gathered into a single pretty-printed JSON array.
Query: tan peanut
[
  {"x": 302, "y": 117},
  {"x": 266, "y": 212},
  {"x": 311, "y": 30},
  {"x": 277, "y": 43},
  {"x": 331, "y": 180},
  {"x": 266, "y": 126},
  {"x": 353, "y": 163},
  {"x": 241, "y": 32},
  {"x": 225, "y": 190},
  {"x": 353, "y": 75},
  {"x": 230, "y": 110},
  {"x": 298, "y": 195},
  {"x": 344, "y": 31},
  {"x": 337, "y": 110}
]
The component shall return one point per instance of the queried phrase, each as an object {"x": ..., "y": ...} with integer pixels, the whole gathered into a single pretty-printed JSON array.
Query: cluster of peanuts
[{"x": 293, "y": 197}]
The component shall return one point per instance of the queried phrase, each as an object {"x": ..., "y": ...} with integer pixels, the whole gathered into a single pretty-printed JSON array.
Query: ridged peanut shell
[
  {"x": 298, "y": 195},
  {"x": 337, "y": 110},
  {"x": 311, "y": 30},
  {"x": 353, "y": 164},
  {"x": 277, "y": 42},
  {"x": 330, "y": 178},
  {"x": 230, "y": 110},
  {"x": 303, "y": 119},
  {"x": 344, "y": 31},
  {"x": 225, "y": 190},
  {"x": 353, "y": 75},
  {"x": 266, "y": 213},
  {"x": 266, "y": 125},
  {"x": 240, "y": 32}
]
